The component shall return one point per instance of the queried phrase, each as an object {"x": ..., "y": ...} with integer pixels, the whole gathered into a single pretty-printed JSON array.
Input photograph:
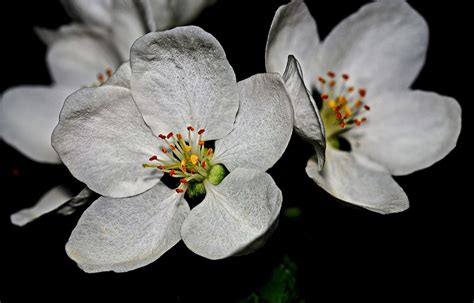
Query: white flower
[
  {"x": 363, "y": 71},
  {"x": 157, "y": 115},
  {"x": 78, "y": 55}
]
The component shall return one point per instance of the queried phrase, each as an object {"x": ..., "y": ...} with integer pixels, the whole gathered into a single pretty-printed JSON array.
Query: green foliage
[{"x": 281, "y": 288}]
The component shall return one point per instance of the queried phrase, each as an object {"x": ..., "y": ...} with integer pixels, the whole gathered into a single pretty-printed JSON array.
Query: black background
[{"x": 342, "y": 252}]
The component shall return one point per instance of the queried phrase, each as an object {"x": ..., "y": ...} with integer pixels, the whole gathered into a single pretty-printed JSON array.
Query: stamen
[
  {"x": 367, "y": 107},
  {"x": 152, "y": 158},
  {"x": 183, "y": 166},
  {"x": 190, "y": 128},
  {"x": 331, "y": 74},
  {"x": 324, "y": 96},
  {"x": 162, "y": 136},
  {"x": 342, "y": 124},
  {"x": 345, "y": 77},
  {"x": 108, "y": 71},
  {"x": 101, "y": 77},
  {"x": 322, "y": 80},
  {"x": 180, "y": 190},
  {"x": 362, "y": 92},
  {"x": 194, "y": 159},
  {"x": 201, "y": 131},
  {"x": 164, "y": 150},
  {"x": 169, "y": 135}
]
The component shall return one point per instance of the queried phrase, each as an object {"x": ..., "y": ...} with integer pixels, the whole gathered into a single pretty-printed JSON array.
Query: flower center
[
  {"x": 189, "y": 160},
  {"x": 343, "y": 106}
]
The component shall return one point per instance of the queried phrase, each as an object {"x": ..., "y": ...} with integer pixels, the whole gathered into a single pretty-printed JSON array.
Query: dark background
[{"x": 341, "y": 251}]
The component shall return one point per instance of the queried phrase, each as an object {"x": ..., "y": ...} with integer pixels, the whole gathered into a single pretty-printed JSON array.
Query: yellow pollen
[
  {"x": 187, "y": 148},
  {"x": 348, "y": 110},
  {"x": 342, "y": 100},
  {"x": 332, "y": 103},
  {"x": 194, "y": 159},
  {"x": 183, "y": 166}
]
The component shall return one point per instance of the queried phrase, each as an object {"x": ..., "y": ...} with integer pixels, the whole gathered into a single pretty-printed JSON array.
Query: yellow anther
[
  {"x": 348, "y": 110},
  {"x": 194, "y": 159},
  {"x": 332, "y": 103},
  {"x": 342, "y": 100},
  {"x": 183, "y": 166},
  {"x": 187, "y": 148}
]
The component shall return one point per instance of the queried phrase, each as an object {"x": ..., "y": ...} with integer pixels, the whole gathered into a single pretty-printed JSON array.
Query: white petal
[
  {"x": 263, "y": 125},
  {"x": 162, "y": 14},
  {"x": 293, "y": 32},
  {"x": 93, "y": 12},
  {"x": 79, "y": 54},
  {"x": 382, "y": 46},
  {"x": 51, "y": 200},
  {"x": 102, "y": 138},
  {"x": 408, "y": 131},
  {"x": 126, "y": 27},
  {"x": 128, "y": 233},
  {"x": 354, "y": 179},
  {"x": 29, "y": 115},
  {"x": 307, "y": 121},
  {"x": 181, "y": 77},
  {"x": 233, "y": 215}
]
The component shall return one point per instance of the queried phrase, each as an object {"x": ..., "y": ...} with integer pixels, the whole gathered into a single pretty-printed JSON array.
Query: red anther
[
  {"x": 190, "y": 128},
  {"x": 357, "y": 122},
  {"x": 108, "y": 71},
  {"x": 183, "y": 181},
  {"x": 203, "y": 164},
  {"x": 331, "y": 74},
  {"x": 362, "y": 92},
  {"x": 154, "y": 157},
  {"x": 358, "y": 103},
  {"x": 324, "y": 96},
  {"x": 161, "y": 167},
  {"x": 200, "y": 142},
  {"x": 172, "y": 172},
  {"x": 345, "y": 77},
  {"x": 201, "y": 131},
  {"x": 192, "y": 171},
  {"x": 100, "y": 77},
  {"x": 173, "y": 147},
  {"x": 367, "y": 107},
  {"x": 322, "y": 80},
  {"x": 350, "y": 89},
  {"x": 179, "y": 136},
  {"x": 169, "y": 135},
  {"x": 342, "y": 124},
  {"x": 364, "y": 119},
  {"x": 337, "y": 108},
  {"x": 209, "y": 151},
  {"x": 164, "y": 150},
  {"x": 332, "y": 83},
  {"x": 338, "y": 115},
  {"x": 180, "y": 190},
  {"x": 162, "y": 136}
]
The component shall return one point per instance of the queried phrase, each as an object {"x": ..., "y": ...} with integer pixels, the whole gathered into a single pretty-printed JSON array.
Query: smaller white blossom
[{"x": 363, "y": 71}]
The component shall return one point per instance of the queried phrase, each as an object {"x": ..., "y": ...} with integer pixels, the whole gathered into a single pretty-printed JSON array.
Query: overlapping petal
[
  {"x": 233, "y": 215},
  {"x": 263, "y": 125},
  {"x": 307, "y": 121},
  {"x": 127, "y": 233},
  {"x": 408, "y": 131},
  {"x": 181, "y": 77},
  {"x": 354, "y": 179},
  {"x": 293, "y": 32},
  {"x": 382, "y": 46},
  {"x": 103, "y": 140}
]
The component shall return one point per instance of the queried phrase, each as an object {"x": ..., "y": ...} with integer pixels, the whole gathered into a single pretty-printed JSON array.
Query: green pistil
[{"x": 217, "y": 174}]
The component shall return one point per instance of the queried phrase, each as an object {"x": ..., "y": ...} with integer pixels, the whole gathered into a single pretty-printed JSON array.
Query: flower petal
[
  {"x": 262, "y": 127},
  {"x": 126, "y": 27},
  {"x": 161, "y": 15},
  {"x": 307, "y": 121},
  {"x": 408, "y": 131},
  {"x": 293, "y": 32},
  {"x": 102, "y": 138},
  {"x": 127, "y": 233},
  {"x": 92, "y": 12},
  {"x": 51, "y": 200},
  {"x": 382, "y": 46},
  {"x": 29, "y": 115},
  {"x": 181, "y": 77},
  {"x": 354, "y": 179},
  {"x": 233, "y": 214},
  {"x": 78, "y": 54}
]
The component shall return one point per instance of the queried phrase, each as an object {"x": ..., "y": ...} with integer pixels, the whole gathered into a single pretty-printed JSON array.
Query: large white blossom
[
  {"x": 78, "y": 55},
  {"x": 157, "y": 115},
  {"x": 363, "y": 71}
]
